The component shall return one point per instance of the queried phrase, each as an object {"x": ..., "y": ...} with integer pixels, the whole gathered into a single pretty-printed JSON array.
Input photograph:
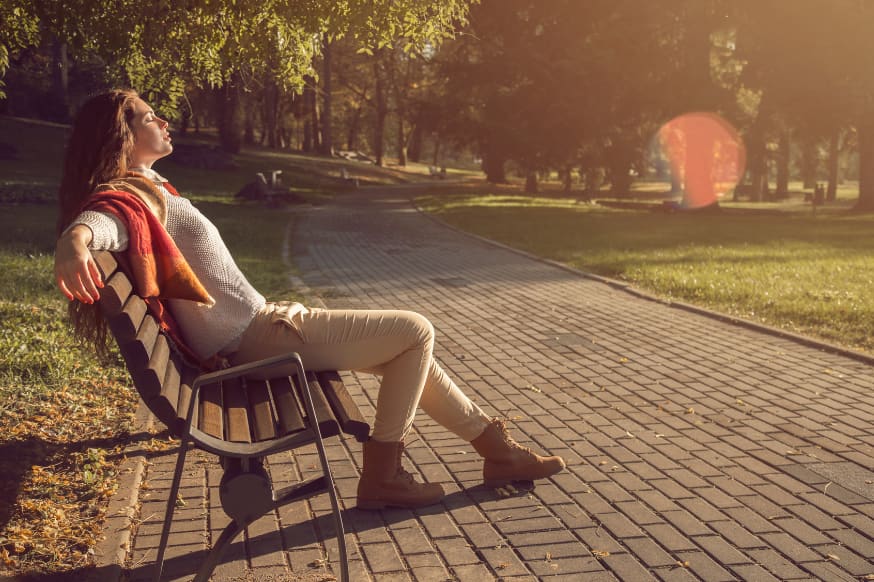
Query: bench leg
[
  {"x": 171, "y": 506},
  {"x": 326, "y": 470}
]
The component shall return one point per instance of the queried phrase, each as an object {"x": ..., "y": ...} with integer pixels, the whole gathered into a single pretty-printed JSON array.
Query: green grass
[{"x": 809, "y": 274}]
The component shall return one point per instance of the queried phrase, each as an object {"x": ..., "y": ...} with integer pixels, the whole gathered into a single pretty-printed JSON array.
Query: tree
[
  {"x": 161, "y": 48},
  {"x": 809, "y": 68}
]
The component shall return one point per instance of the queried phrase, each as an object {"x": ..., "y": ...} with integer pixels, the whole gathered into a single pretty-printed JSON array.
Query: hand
[{"x": 76, "y": 273}]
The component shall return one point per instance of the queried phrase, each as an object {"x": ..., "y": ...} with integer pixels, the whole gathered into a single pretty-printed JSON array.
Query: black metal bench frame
[{"x": 262, "y": 416}]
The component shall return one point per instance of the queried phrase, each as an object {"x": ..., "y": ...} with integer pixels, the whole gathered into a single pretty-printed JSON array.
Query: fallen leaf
[
  {"x": 833, "y": 557},
  {"x": 600, "y": 553},
  {"x": 629, "y": 435},
  {"x": 690, "y": 410}
]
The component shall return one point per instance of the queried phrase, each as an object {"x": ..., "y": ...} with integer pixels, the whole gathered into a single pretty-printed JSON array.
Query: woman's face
[{"x": 151, "y": 138}]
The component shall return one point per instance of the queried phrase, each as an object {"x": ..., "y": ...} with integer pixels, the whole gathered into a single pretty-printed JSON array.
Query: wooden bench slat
[
  {"x": 210, "y": 417},
  {"x": 125, "y": 324},
  {"x": 328, "y": 425},
  {"x": 138, "y": 352},
  {"x": 236, "y": 412},
  {"x": 150, "y": 379},
  {"x": 288, "y": 414},
  {"x": 106, "y": 263},
  {"x": 185, "y": 382},
  {"x": 170, "y": 394},
  {"x": 345, "y": 409},
  {"x": 263, "y": 420},
  {"x": 114, "y": 293}
]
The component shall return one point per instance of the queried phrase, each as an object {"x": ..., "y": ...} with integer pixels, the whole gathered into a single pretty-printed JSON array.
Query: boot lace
[{"x": 501, "y": 423}]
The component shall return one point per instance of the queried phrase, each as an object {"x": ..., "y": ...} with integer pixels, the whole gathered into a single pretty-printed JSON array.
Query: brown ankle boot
[
  {"x": 506, "y": 460},
  {"x": 385, "y": 483}
]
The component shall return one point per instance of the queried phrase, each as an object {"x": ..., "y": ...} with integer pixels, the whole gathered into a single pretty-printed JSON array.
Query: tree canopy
[{"x": 159, "y": 47}]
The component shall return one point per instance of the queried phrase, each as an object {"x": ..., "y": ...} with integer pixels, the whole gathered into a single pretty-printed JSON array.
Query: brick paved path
[{"x": 696, "y": 449}]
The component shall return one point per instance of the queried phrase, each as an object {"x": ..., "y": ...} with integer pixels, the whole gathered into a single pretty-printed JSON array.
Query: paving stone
[
  {"x": 649, "y": 552},
  {"x": 776, "y": 564},
  {"x": 626, "y": 567},
  {"x": 704, "y": 566},
  {"x": 847, "y": 559}
]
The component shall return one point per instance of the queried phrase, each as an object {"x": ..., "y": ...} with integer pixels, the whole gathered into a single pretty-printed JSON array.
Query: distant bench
[{"x": 240, "y": 419}]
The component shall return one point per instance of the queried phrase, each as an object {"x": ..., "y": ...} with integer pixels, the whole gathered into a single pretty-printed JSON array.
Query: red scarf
[{"x": 153, "y": 261}]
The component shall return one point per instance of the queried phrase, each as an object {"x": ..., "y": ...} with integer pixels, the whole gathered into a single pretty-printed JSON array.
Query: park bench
[{"x": 234, "y": 413}]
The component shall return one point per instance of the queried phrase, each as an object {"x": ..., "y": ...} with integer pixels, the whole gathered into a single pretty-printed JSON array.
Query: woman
[{"x": 110, "y": 198}]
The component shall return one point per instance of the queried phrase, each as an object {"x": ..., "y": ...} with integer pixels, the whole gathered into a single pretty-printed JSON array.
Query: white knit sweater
[{"x": 207, "y": 330}]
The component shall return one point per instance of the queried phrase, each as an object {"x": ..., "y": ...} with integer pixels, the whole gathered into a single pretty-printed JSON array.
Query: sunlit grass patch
[
  {"x": 63, "y": 415},
  {"x": 804, "y": 272}
]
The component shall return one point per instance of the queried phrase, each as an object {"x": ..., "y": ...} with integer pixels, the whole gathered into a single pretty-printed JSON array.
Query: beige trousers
[{"x": 396, "y": 345}]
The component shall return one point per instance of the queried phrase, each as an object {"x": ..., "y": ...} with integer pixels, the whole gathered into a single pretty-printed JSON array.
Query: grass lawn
[
  {"x": 776, "y": 264},
  {"x": 65, "y": 417}
]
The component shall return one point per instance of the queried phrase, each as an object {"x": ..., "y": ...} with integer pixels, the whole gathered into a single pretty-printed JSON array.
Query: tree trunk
[
  {"x": 230, "y": 122},
  {"x": 697, "y": 44},
  {"x": 271, "y": 114},
  {"x": 758, "y": 167},
  {"x": 493, "y": 165},
  {"x": 248, "y": 121},
  {"x": 758, "y": 153},
  {"x": 402, "y": 139},
  {"x": 415, "y": 150},
  {"x": 531, "y": 182},
  {"x": 184, "y": 120},
  {"x": 782, "y": 189},
  {"x": 381, "y": 101},
  {"x": 436, "y": 159},
  {"x": 809, "y": 163},
  {"x": 327, "y": 145},
  {"x": 834, "y": 152},
  {"x": 309, "y": 116},
  {"x": 353, "y": 129},
  {"x": 866, "y": 162},
  {"x": 568, "y": 179},
  {"x": 61, "y": 79},
  {"x": 619, "y": 164}
]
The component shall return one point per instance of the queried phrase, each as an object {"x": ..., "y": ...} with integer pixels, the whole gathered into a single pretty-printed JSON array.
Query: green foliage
[
  {"x": 160, "y": 48},
  {"x": 19, "y": 28}
]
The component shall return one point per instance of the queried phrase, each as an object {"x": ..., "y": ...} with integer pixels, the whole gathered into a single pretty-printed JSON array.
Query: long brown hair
[{"x": 98, "y": 151}]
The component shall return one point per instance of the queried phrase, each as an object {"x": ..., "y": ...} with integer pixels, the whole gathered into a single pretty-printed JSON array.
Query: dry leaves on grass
[{"x": 66, "y": 445}]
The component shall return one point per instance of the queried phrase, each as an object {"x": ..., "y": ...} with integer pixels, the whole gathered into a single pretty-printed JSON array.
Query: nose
[{"x": 163, "y": 123}]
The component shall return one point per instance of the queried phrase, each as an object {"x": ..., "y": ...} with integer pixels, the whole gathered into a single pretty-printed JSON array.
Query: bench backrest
[{"x": 241, "y": 410}]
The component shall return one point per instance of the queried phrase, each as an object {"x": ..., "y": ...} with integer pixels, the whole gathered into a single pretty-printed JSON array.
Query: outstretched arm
[{"x": 76, "y": 273}]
